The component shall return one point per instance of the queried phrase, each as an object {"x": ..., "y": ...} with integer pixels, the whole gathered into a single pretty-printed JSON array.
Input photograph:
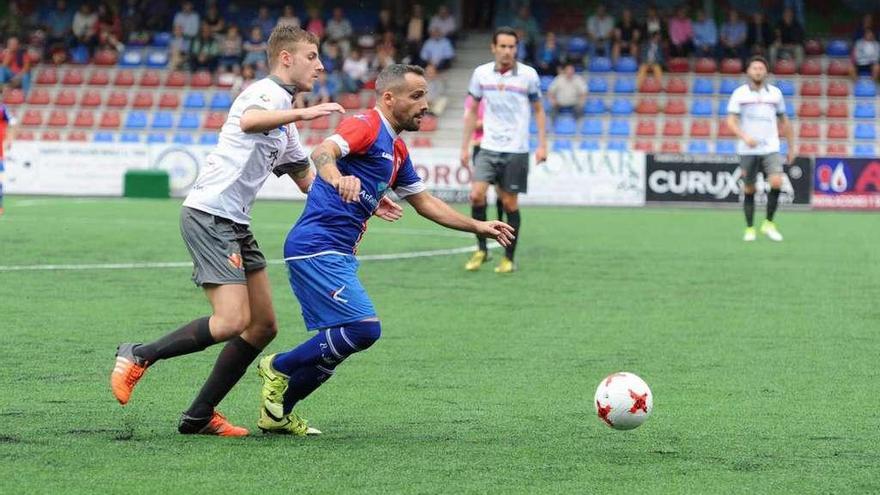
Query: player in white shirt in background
[{"x": 754, "y": 112}]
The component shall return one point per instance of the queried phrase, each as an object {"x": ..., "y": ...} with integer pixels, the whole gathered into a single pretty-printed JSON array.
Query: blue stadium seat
[
  {"x": 619, "y": 127},
  {"x": 136, "y": 120},
  {"x": 577, "y": 47},
  {"x": 183, "y": 138},
  {"x": 161, "y": 40},
  {"x": 533, "y": 143},
  {"x": 863, "y": 150},
  {"x": 789, "y": 110},
  {"x": 621, "y": 106},
  {"x": 786, "y": 86},
  {"x": 727, "y": 86},
  {"x": 865, "y": 131},
  {"x": 157, "y": 137},
  {"x": 701, "y": 107},
  {"x": 722, "y": 108},
  {"x": 103, "y": 137},
  {"x": 591, "y": 127},
  {"x": 221, "y": 101},
  {"x": 562, "y": 145},
  {"x": 598, "y": 85},
  {"x": 865, "y": 88},
  {"x": 626, "y": 64},
  {"x": 616, "y": 145},
  {"x": 157, "y": 59},
  {"x": 162, "y": 120},
  {"x": 837, "y": 48},
  {"x": 594, "y": 106},
  {"x": 547, "y": 105},
  {"x": 188, "y": 120},
  {"x": 565, "y": 125},
  {"x": 725, "y": 147},
  {"x": 131, "y": 58},
  {"x": 194, "y": 100},
  {"x": 210, "y": 139},
  {"x": 590, "y": 145},
  {"x": 545, "y": 83},
  {"x": 600, "y": 64},
  {"x": 698, "y": 147},
  {"x": 130, "y": 137},
  {"x": 865, "y": 111},
  {"x": 625, "y": 85},
  {"x": 533, "y": 127},
  {"x": 783, "y": 147},
  {"x": 703, "y": 86}
]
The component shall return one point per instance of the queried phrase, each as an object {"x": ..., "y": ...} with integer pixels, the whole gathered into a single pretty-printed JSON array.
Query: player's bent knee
[
  {"x": 363, "y": 334},
  {"x": 225, "y": 326},
  {"x": 478, "y": 199}
]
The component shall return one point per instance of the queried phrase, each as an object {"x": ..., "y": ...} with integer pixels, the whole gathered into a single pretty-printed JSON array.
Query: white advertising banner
[{"x": 98, "y": 169}]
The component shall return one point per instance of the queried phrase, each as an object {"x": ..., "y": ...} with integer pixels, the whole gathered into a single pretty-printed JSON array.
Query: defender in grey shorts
[
  {"x": 750, "y": 165},
  {"x": 508, "y": 170},
  {"x": 223, "y": 251}
]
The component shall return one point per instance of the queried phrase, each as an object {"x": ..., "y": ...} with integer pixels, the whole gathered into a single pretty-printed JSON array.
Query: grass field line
[{"x": 187, "y": 264}]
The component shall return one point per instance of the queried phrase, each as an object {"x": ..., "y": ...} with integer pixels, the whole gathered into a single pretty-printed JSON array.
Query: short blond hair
[{"x": 284, "y": 37}]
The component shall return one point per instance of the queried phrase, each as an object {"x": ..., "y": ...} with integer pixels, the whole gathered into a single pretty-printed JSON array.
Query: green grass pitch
[{"x": 762, "y": 358}]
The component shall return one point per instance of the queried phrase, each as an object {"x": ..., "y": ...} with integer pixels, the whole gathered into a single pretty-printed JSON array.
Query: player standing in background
[
  {"x": 476, "y": 138},
  {"x": 258, "y": 138},
  {"x": 753, "y": 112},
  {"x": 6, "y": 120},
  {"x": 356, "y": 167},
  {"x": 509, "y": 88}
]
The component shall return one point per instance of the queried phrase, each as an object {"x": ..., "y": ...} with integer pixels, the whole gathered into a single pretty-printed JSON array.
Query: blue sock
[{"x": 303, "y": 382}]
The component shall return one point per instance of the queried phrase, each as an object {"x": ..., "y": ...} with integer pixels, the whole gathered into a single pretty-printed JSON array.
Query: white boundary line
[{"x": 188, "y": 264}]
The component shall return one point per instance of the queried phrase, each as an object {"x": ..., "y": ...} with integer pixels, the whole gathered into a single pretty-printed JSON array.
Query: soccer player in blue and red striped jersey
[{"x": 356, "y": 167}]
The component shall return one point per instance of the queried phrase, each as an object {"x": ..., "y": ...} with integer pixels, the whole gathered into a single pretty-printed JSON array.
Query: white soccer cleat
[
  {"x": 768, "y": 228},
  {"x": 750, "y": 234}
]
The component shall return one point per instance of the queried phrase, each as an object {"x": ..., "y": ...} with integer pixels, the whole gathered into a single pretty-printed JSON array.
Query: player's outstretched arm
[
  {"x": 256, "y": 119},
  {"x": 324, "y": 158},
  {"x": 432, "y": 208}
]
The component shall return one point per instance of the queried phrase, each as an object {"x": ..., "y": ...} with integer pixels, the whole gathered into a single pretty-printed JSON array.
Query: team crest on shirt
[
  {"x": 236, "y": 261},
  {"x": 265, "y": 98}
]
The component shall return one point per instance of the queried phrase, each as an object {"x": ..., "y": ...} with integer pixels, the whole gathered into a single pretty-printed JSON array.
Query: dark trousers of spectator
[
  {"x": 682, "y": 50},
  {"x": 708, "y": 51},
  {"x": 573, "y": 110},
  {"x": 738, "y": 51}
]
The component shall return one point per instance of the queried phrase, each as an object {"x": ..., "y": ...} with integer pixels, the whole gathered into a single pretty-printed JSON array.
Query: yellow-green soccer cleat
[
  {"x": 274, "y": 386},
  {"x": 506, "y": 266},
  {"x": 477, "y": 259},
  {"x": 290, "y": 424},
  {"x": 768, "y": 228},
  {"x": 750, "y": 234}
]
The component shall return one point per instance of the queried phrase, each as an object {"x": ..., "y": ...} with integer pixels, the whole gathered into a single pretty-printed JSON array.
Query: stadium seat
[
  {"x": 39, "y": 96},
  {"x": 811, "y": 88},
  {"x": 169, "y": 101},
  {"x": 84, "y": 119},
  {"x": 724, "y": 130},
  {"x": 789, "y": 111},
  {"x": 837, "y": 130},
  {"x": 102, "y": 137},
  {"x": 130, "y": 137},
  {"x": 705, "y": 65},
  {"x": 546, "y": 81},
  {"x": 350, "y": 101},
  {"x": 649, "y": 85},
  {"x": 839, "y": 67},
  {"x": 32, "y": 118},
  {"x": 162, "y": 120},
  {"x": 837, "y": 48},
  {"x": 104, "y": 58},
  {"x": 647, "y": 107},
  {"x": 590, "y": 145},
  {"x": 201, "y": 79},
  {"x": 837, "y": 149},
  {"x": 675, "y": 106},
  {"x": 561, "y": 145},
  {"x": 811, "y": 67},
  {"x": 838, "y": 89},
  {"x": 157, "y": 59},
  {"x": 808, "y": 149},
  {"x": 150, "y": 79},
  {"x": 161, "y": 40},
  {"x": 644, "y": 146},
  {"x": 78, "y": 136},
  {"x": 700, "y": 128},
  {"x": 813, "y": 47},
  {"x": 865, "y": 88},
  {"x": 646, "y": 128},
  {"x": 182, "y": 138},
  {"x": 727, "y": 86},
  {"x": 863, "y": 150},
  {"x": 565, "y": 125},
  {"x": 124, "y": 78},
  {"x": 50, "y": 136},
  {"x": 323, "y": 124},
  {"x": 72, "y": 77},
  {"x": 175, "y": 79},
  {"x": 676, "y": 85},
  {"x": 212, "y": 138},
  {"x": 678, "y": 65},
  {"x": 142, "y": 99},
  {"x": 619, "y": 127},
  {"x": 600, "y": 65},
  {"x": 117, "y": 99},
  {"x": 809, "y": 130},
  {"x": 110, "y": 120},
  {"x": 188, "y": 120},
  {"x": 626, "y": 65},
  {"x": 725, "y": 147},
  {"x": 131, "y": 58},
  {"x": 58, "y": 118},
  {"x": 215, "y": 120},
  {"x": 865, "y": 110},
  {"x": 314, "y": 140},
  {"x": 722, "y": 108},
  {"x": 221, "y": 101},
  {"x": 698, "y": 146},
  {"x": 616, "y": 145},
  {"x": 25, "y": 135},
  {"x": 99, "y": 77},
  {"x": 784, "y": 67},
  {"x": 591, "y": 127},
  {"x": 786, "y": 86},
  {"x": 670, "y": 147},
  {"x": 625, "y": 84},
  {"x": 673, "y": 128},
  {"x": 838, "y": 110},
  {"x": 429, "y": 124},
  {"x": 621, "y": 106},
  {"x": 703, "y": 86},
  {"x": 157, "y": 137},
  {"x": 13, "y": 97},
  {"x": 594, "y": 106},
  {"x": 47, "y": 76},
  {"x": 809, "y": 109},
  {"x": 701, "y": 107},
  {"x": 194, "y": 100},
  {"x": 533, "y": 126},
  {"x": 136, "y": 120},
  {"x": 865, "y": 131},
  {"x": 577, "y": 47},
  {"x": 731, "y": 66},
  {"x": 597, "y": 85}
]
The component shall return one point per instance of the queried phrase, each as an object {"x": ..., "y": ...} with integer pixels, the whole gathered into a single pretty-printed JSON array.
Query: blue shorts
[{"x": 329, "y": 291}]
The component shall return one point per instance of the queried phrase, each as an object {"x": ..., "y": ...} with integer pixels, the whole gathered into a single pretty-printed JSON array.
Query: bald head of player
[
  {"x": 293, "y": 57},
  {"x": 402, "y": 96},
  {"x": 757, "y": 70}
]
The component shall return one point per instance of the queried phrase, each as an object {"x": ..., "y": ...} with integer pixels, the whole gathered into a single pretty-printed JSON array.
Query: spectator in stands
[
  {"x": 866, "y": 56},
  {"x": 108, "y": 42},
  {"x": 134, "y": 24},
  {"x": 600, "y": 30},
  {"x": 331, "y": 57},
  {"x": 626, "y": 36},
  {"x": 867, "y": 24},
  {"x": 14, "y": 23},
  {"x": 733, "y": 36},
  {"x": 445, "y": 22},
  {"x": 386, "y": 53},
  {"x": 57, "y": 25},
  {"x": 415, "y": 31},
  {"x": 248, "y": 77},
  {"x": 255, "y": 50},
  {"x": 204, "y": 50},
  {"x": 178, "y": 49},
  {"x": 214, "y": 20},
  {"x": 385, "y": 24},
  {"x": 705, "y": 36},
  {"x": 651, "y": 59},
  {"x": 653, "y": 24},
  {"x": 314, "y": 23},
  {"x": 759, "y": 35},
  {"x": 788, "y": 40},
  {"x": 339, "y": 29},
  {"x": 355, "y": 71},
  {"x": 264, "y": 21},
  {"x": 188, "y": 20},
  {"x": 681, "y": 33},
  {"x": 527, "y": 23},
  {"x": 231, "y": 48},
  {"x": 85, "y": 25},
  {"x": 567, "y": 93},
  {"x": 288, "y": 17},
  {"x": 547, "y": 57},
  {"x": 437, "y": 94},
  {"x": 523, "y": 50},
  {"x": 324, "y": 90},
  {"x": 16, "y": 65}
]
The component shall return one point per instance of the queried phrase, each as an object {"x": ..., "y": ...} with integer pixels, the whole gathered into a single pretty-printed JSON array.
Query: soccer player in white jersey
[
  {"x": 258, "y": 138},
  {"x": 512, "y": 92},
  {"x": 754, "y": 111}
]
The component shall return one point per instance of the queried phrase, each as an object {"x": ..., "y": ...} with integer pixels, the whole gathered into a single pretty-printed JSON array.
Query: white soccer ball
[{"x": 623, "y": 401}]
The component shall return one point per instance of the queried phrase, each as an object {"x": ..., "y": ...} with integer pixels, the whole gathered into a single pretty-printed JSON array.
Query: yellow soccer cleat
[
  {"x": 768, "y": 228},
  {"x": 290, "y": 424},
  {"x": 274, "y": 386},
  {"x": 506, "y": 266},
  {"x": 750, "y": 234},
  {"x": 479, "y": 257}
]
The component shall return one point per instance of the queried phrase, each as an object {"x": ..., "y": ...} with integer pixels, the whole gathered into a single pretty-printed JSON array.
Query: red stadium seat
[
  {"x": 650, "y": 85},
  {"x": 143, "y": 99},
  {"x": 422, "y": 142},
  {"x": 724, "y": 130},
  {"x": 673, "y": 128},
  {"x": 647, "y": 107},
  {"x": 811, "y": 67},
  {"x": 670, "y": 147},
  {"x": 838, "y": 89},
  {"x": 150, "y": 79},
  {"x": 50, "y": 136},
  {"x": 700, "y": 128},
  {"x": 320, "y": 124},
  {"x": 32, "y": 118},
  {"x": 646, "y": 128},
  {"x": 24, "y": 135},
  {"x": 809, "y": 110},
  {"x": 58, "y": 118},
  {"x": 645, "y": 146},
  {"x": 47, "y": 76},
  {"x": 13, "y": 97},
  {"x": 214, "y": 120},
  {"x": 169, "y": 101},
  {"x": 124, "y": 78},
  {"x": 676, "y": 85},
  {"x": 176, "y": 79},
  {"x": 371, "y": 100},
  {"x": 38, "y": 96},
  {"x": 675, "y": 106},
  {"x": 811, "y": 88},
  {"x": 350, "y": 101},
  {"x": 838, "y": 67},
  {"x": 809, "y": 130},
  {"x": 65, "y": 98},
  {"x": 201, "y": 79},
  {"x": 90, "y": 98},
  {"x": 84, "y": 118},
  {"x": 705, "y": 66},
  {"x": 784, "y": 67},
  {"x": 837, "y": 130},
  {"x": 678, "y": 65},
  {"x": 837, "y": 149},
  {"x": 72, "y": 77},
  {"x": 838, "y": 110},
  {"x": 77, "y": 136},
  {"x": 105, "y": 58},
  {"x": 808, "y": 149},
  {"x": 314, "y": 140},
  {"x": 99, "y": 77},
  {"x": 813, "y": 48},
  {"x": 117, "y": 99},
  {"x": 429, "y": 124},
  {"x": 110, "y": 120},
  {"x": 731, "y": 66}
]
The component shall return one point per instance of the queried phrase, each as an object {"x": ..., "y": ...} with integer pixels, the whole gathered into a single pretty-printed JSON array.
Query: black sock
[
  {"x": 500, "y": 208},
  {"x": 513, "y": 220},
  {"x": 231, "y": 364},
  {"x": 772, "y": 203},
  {"x": 192, "y": 337},
  {"x": 479, "y": 213},
  {"x": 303, "y": 382},
  {"x": 749, "y": 207}
]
